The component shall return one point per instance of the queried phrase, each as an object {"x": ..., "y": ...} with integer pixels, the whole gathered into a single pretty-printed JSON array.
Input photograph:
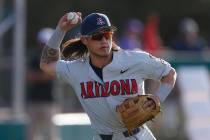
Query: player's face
[{"x": 100, "y": 44}]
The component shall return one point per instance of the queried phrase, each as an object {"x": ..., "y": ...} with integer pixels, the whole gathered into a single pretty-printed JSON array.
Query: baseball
[{"x": 72, "y": 16}]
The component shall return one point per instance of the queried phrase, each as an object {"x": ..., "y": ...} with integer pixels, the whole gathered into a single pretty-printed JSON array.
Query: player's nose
[{"x": 103, "y": 38}]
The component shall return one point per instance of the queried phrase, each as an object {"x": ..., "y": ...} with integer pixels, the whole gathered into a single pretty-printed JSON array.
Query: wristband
[
  {"x": 163, "y": 91},
  {"x": 56, "y": 39}
]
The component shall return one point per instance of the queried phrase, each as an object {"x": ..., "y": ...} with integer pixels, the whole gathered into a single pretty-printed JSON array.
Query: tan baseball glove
[{"x": 133, "y": 113}]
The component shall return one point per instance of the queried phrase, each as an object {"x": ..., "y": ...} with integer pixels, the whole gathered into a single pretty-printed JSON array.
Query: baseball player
[{"x": 103, "y": 75}]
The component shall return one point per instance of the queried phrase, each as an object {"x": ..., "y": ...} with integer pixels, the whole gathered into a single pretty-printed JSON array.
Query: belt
[
  {"x": 126, "y": 134},
  {"x": 134, "y": 132}
]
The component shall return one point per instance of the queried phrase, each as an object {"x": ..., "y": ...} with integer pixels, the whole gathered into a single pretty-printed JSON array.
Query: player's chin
[
  {"x": 105, "y": 49},
  {"x": 105, "y": 52}
]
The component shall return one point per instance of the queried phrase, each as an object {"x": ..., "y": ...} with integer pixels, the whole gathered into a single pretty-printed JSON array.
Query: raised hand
[{"x": 66, "y": 24}]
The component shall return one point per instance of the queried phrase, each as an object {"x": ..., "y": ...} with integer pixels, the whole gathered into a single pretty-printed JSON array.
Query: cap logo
[{"x": 100, "y": 21}]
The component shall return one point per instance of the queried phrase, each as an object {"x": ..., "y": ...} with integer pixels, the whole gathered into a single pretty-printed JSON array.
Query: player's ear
[{"x": 84, "y": 40}]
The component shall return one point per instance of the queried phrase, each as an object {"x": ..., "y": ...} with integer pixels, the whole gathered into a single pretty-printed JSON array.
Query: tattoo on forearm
[{"x": 49, "y": 55}]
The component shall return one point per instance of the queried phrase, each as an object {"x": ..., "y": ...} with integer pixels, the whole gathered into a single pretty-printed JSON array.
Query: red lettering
[
  {"x": 125, "y": 87},
  {"x": 105, "y": 89},
  {"x": 115, "y": 88},
  {"x": 134, "y": 88},
  {"x": 84, "y": 93},
  {"x": 90, "y": 89},
  {"x": 93, "y": 89},
  {"x": 97, "y": 94}
]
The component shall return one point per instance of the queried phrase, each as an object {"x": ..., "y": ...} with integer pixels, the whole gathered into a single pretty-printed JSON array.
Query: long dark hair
[{"x": 75, "y": 49}]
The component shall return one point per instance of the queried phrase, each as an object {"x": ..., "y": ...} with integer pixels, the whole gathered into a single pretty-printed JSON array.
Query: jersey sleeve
[
  {"x": 156, "y": 68},
  {"x": 63, "y": 70}
]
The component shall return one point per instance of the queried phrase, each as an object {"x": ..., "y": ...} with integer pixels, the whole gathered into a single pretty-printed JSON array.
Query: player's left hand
[
  {"x": 149, "y": 104},
  {"x": 136, "y": 111}
]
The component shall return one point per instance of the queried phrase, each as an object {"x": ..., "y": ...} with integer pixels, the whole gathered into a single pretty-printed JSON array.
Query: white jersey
[{"x": 122, "y": 78}]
